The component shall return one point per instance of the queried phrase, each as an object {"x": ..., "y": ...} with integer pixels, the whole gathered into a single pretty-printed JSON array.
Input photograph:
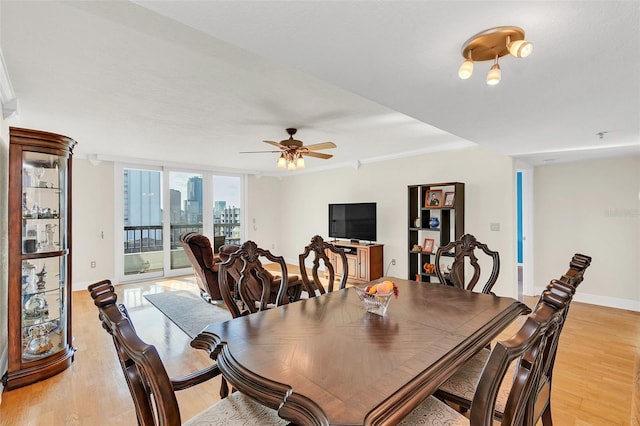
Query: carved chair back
[
  {"x": 456, "y": 388},
  {"x": 566, "y": 286},
  {"x": 465, "y": 248},
  {"x": 318, "y": 248},
  {"x": 198, "y": 249},
  {"x": 148, "y": 381},
  {"x": 525, "y": 352},
  {"x": 243, "y": 278}
]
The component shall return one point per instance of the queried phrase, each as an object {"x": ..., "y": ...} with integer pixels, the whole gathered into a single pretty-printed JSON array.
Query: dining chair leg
[
  {"x": 546, "y": 415},
  {"x": 224, "y": 388}
]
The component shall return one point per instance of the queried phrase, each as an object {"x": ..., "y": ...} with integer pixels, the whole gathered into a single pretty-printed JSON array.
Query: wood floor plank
[{"x": 596, "y": 378}]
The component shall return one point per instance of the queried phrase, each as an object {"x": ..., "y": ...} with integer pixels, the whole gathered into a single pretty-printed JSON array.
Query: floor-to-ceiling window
[
  {"x": 142, "y": 248},
  {"x": 158, "y": 204}
]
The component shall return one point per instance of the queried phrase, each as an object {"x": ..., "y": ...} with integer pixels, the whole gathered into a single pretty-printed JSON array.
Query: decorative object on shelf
[
  {"x": 429, "y": 268},
  {"x": 433, "y": 199},
  {"x": 434, "y": 222},
  {"x": 28, "y": 279},
  {"x": 491, "y": 44},
  {"x": 49, "y": 232},
  {"x": 417, "y": 247},
  {"x": 449, "y": 198},
  {"x": 418, "y": 223},
  {"x": 30, "y": 242},
  {"x": 427, "y": 245},
  {"x": 38, "y": 173}
]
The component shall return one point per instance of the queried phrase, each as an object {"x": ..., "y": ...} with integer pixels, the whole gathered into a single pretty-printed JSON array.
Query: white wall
[
  {"x": 490, "y": 197},
  {"x": 92, "y": 223},
  {"x": 589, "y": 207},
  {"x": 592, "y": 207},
  {"x": 265, "y": 220},
  {"x": 289, "y": 211}
]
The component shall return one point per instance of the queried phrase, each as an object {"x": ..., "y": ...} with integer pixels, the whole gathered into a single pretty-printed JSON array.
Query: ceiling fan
[{"x": 293, "y": 150}]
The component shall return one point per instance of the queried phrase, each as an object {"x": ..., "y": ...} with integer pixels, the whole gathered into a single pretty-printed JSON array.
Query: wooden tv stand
[{"x": 365, "y": 261}]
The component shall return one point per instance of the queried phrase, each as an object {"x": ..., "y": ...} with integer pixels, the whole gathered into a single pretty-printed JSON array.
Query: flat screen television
[{"x": 353, "y": 221}]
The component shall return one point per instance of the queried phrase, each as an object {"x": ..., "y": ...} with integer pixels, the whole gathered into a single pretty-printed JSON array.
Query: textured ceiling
[{"x": 198, "y": 82}]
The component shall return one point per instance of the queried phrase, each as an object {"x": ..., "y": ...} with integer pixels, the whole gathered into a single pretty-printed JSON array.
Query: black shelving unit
[{"x": 420, "y": 214}]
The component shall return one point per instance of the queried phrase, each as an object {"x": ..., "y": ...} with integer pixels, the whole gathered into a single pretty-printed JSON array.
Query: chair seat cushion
[
  {"x": 463, "y": 383},
  {"x": 433, "y": 412},
  {"x": 236, "y": 410}
]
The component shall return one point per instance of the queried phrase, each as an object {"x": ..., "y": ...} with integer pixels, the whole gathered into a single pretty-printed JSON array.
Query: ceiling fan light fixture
[{"x": 292, "y": 151}]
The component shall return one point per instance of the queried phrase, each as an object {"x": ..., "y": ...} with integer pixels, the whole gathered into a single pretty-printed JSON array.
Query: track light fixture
[{"x": 491, "y": 44}]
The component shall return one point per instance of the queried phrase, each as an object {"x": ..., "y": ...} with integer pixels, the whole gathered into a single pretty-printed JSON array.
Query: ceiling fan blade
[
  {"x": 317, "y": 155},
  {"x": 323, "y": 145},
  {"x": 256, "y": 152},
  {"x": 278, "y": 144}
]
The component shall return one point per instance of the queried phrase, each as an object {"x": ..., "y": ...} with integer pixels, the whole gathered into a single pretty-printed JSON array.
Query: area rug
[{"x": 188, "y": 311}]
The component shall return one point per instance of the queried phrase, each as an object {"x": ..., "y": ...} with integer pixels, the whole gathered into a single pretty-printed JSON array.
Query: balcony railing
[{"x": 148, "y": 238}]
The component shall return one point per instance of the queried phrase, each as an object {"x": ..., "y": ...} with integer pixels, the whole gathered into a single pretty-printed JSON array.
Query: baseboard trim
[
  {"x": 611, "y": 302},
  {"x": 84, "y": 285}
]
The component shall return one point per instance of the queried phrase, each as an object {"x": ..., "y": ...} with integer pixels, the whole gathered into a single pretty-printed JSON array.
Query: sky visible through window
[{"x": 225, "y": 188}]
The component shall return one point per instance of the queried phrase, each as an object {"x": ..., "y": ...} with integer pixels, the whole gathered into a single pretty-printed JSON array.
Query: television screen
[{"x": 353, "y": 221}]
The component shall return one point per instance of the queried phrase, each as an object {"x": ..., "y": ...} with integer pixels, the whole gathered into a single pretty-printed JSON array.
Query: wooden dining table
[{"x": 327, "y": 361}]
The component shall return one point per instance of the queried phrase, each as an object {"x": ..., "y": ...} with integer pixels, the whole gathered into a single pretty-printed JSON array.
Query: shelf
[{"x": 45, "y": 254}]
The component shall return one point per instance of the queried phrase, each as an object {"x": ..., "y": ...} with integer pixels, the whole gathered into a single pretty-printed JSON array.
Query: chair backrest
[
  {"x": 198, "y": 249},
  {"x": 465, "y": 249},
  {"x": 565, "y": 287},
  {"x": 531, "y": 392},
  {"x": 318, "y": 248},
  {"x": 148, "y": 381},
  {"x": 526, "y": 351},
  {"x": 252, "y": 283}
]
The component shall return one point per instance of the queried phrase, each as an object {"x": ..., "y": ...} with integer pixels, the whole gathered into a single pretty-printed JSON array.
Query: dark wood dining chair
[
  {"x": 248, "y": 287},
  {"x": 518, "y": 361},
  {"x": 198, "y": 249},
  {"x": 461, "y": 387},
  {"x": 152, "y": 390},
  {"x": 318, "y": 248},
  {"x": 465, "y": 250}
]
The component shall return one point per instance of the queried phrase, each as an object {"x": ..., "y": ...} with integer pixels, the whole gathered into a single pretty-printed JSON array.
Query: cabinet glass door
[
  {"x": 43, "y": 307},
  {"x": 44, "y": 255}
]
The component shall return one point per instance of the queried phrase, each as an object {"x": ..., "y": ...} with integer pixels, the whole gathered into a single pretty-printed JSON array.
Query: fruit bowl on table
[{"x": 376, "y": 298}]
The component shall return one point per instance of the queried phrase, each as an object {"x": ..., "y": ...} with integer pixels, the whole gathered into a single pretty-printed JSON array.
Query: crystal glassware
[
  {"x": 38, "y": 172},
  {"x": 376, "y": 303}
]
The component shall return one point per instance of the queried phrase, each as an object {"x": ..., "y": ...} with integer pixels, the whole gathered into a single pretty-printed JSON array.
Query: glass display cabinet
[{"x": 39, "y": 302}]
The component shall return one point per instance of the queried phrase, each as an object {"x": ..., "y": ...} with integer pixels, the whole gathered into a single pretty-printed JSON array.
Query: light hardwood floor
[{"x": 594, "y": 377}]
